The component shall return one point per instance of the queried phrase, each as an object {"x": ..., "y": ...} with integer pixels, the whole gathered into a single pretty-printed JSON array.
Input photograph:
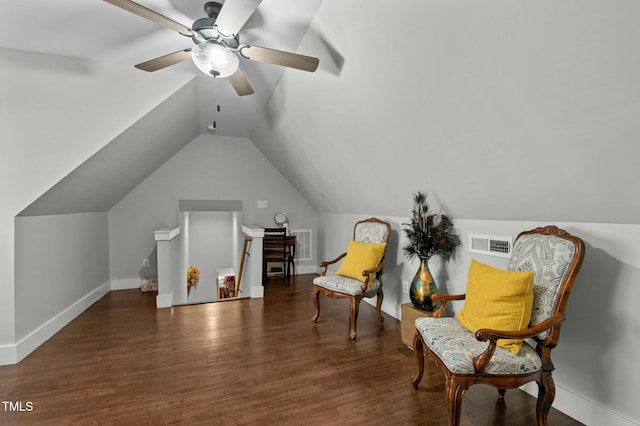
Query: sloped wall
[
  {"x": 505, "y": 110},
  {"x": 111, "y": 173},
  {"x": 55, "y": 113}
]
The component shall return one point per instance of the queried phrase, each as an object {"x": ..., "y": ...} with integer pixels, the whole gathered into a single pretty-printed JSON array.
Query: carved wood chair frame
[
  {"x": 456, "y": 384},
  {"x": 354, "y": 300}
]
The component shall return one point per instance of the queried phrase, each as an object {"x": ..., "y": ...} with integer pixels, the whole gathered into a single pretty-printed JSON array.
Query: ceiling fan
[{"x": 217, "y": 45}]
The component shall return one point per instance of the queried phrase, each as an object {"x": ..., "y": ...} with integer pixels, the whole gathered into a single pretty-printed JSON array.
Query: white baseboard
[
  {"x": 12, "y": 354},
  {"x": 164, "y": 300},
  {"x": 306, "y": 269},
  {"x": 387, "y": 307},
  {"x": 125, "y": 283},
  {"x": 580, "y": 408},
  {"x": 8, "y": 355}
]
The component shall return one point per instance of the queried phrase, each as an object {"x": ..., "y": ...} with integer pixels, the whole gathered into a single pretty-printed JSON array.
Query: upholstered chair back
[
  {"x": 551, "y": 258},
  {"x": 371, "y": 232},
  {"x": 360, "y": 273},
  {"x": 468, "y": 358}
]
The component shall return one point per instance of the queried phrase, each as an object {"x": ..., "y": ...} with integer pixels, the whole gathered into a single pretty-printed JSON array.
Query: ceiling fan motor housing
[
  {"x": 204, "y": 31},
  {"x": 212, "y": 9}
]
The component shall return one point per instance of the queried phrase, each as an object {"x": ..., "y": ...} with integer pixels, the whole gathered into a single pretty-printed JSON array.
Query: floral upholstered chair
[
  {"x": 360, "y": 272},
  {"x": 478, "y": 346}
]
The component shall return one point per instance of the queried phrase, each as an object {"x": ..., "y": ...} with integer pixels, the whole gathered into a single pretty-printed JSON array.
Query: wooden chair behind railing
[{"x": 274, "y": 250}]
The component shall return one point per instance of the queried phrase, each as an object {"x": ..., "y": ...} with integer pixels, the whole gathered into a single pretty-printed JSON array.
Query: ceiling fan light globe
[{"x": 214, "y": 59}]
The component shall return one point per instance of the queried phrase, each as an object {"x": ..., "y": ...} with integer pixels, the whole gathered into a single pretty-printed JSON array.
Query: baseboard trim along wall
[
  {"x": 125, "y": 283},
  {"x": 12, "y": 354},
  {"x": 164, "y": 300},
  {"x": 387, "y": 307},
  {"x": 580, "y": 408},
  {"x": 306, "y": 269},
  {"x": 8, "y": 355}
]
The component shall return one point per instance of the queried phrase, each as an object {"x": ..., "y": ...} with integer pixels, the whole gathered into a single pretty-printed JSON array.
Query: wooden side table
[{"x": 409, "y": 314}]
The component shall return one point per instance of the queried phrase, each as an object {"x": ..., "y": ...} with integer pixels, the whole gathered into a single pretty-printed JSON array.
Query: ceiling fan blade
[
  {"x": 151, "y": 15},
  {"x": 240, "y": 83},
  {"x": 278, "y": 57},
  {"x": 165, "y": 61},
  {"x": 234, "y": 14}
]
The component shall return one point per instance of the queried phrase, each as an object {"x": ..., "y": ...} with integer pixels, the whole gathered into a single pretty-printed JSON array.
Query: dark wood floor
[{"x": 252, "y": 361}]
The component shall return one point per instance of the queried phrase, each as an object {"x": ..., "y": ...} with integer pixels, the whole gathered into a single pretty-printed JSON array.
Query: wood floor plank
[{"x": 250, "y": 361}]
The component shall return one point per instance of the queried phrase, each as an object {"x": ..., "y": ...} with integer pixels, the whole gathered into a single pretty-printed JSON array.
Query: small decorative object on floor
[
  {"x": 428, "y": 234},
  {"x": 193, "y": 277},
  {"x": 149, "y": 284},
  {"x": 226, "y": 283}
]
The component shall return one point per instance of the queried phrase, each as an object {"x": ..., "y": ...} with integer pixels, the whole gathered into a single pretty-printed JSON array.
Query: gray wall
[
  {"x": 59, "y": 260},
  {"x": 596, "y": 377},
  {"x": 56, "y": 112},
  {"x": 209, "y": 168},
  {"x": 210, "y": 243},
  {"x": 506, "y": 110}
]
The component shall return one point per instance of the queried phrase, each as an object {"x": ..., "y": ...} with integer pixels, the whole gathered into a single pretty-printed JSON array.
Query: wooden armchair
[
  {"x": 555, "y": 258},
  {"x": 360, "y": 272}
]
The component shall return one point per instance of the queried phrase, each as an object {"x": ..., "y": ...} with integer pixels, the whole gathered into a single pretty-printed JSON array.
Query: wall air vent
[
  {"x": 303, "y": 243},
  {"x": 490, "y": 245}
]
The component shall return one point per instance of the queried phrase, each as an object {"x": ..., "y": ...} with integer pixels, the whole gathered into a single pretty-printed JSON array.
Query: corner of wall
[{"x": 12, "y": 354}]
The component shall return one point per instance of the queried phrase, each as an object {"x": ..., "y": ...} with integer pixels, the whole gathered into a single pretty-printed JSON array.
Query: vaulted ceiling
[
  {"x": 96, "y": 30},
  {"x": 502, "y": 110}
]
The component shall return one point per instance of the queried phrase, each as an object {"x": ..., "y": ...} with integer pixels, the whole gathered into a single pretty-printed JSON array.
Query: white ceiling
[
  {"x": 96, "y": 30},
  {"x": 502, "y": 110}
]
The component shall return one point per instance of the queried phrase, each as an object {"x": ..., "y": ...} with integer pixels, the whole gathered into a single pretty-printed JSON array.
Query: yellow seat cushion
[
  {"x": 359, "y": 258},
  {"x": 497, "y": 299}
]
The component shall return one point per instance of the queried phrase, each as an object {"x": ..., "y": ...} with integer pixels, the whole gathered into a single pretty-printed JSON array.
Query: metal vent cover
[
  {"x": 303, "y": 243},
  {"x": 490, "y": 245}
]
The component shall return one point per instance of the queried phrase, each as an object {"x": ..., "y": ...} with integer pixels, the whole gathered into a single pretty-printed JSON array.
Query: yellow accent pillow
[
  {"x": 498, "y": 299},
  {"x": 359, "y": 258}
]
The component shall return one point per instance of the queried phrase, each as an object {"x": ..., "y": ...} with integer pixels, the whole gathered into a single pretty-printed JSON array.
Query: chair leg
[
  {"x": 546, "y": 395},
  {"x": 354, "y": 306},
  {"x": 454, "y": 393},
  {"x": 264, "y": 273},
  {"x": 379, "y": 306},
  {"x": 501, "y": 392},
  {"x": 316, "y": 301},
  {"x": 418, "y": 353}
]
